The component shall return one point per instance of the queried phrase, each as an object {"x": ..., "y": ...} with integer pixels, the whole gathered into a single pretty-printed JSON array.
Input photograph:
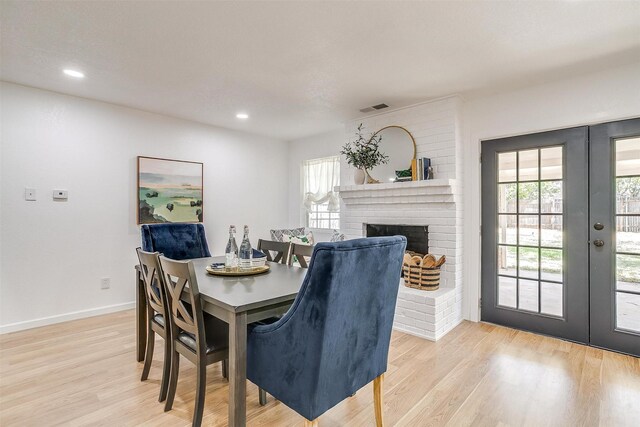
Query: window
[{"x": 320, "y": 201}]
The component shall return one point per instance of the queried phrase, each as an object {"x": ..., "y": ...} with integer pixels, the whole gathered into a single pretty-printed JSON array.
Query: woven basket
[{"x": 419, "y": 277}]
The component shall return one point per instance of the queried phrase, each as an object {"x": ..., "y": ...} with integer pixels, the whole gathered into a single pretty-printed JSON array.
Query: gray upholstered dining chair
[
  {"x": 175, "y": 240},
  {"x": 203, "y": 340},
  {"x": 335, "y": 337},
  {"x": 281, "y": 250},
  {"x": 300, "y": 253},
  {"x": 157, "y": 312}
]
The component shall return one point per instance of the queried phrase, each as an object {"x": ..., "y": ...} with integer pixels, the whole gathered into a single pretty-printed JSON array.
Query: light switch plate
[
  {"x": 60, "y": 195},
  {"x": 30, "y": 194}
]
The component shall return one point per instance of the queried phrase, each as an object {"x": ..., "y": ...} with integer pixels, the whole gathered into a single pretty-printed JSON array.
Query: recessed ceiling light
[
  {"x": 73, "y": 73},
  {"x": 242, "y": 116}
]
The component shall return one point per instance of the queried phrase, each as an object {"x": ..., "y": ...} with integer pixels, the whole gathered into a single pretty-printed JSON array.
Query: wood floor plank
[{"x": 84, "y": 373}]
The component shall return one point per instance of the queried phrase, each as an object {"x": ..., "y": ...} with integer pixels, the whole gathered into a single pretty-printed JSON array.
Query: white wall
[
  {"x": 323, "y": 145},
  {"x": 54, "y": 253},
  {"x": 594, "y": 98}
]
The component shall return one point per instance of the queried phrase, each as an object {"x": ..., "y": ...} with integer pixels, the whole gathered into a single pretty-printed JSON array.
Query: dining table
[{"x": 238, "y": 301}]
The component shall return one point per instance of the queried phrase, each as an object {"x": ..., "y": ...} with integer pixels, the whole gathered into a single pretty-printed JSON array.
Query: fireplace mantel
[{"x": 427, "y": 191}]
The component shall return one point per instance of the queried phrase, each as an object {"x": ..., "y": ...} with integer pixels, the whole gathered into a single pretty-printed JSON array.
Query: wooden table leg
[
  {"x": 141, "y": 318},
  {"x": 238, "y": 370}
]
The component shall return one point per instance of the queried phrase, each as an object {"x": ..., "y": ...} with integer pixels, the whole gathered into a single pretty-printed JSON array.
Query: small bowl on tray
[{"x": 259, "y": 259}]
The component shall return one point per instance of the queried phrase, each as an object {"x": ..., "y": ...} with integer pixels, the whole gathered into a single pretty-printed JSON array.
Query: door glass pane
[
  {"x": 528, "y": 230},
  {"x": 528, "y": 295},
  {"x": 551, "y": 163},
  {"x": 551, "y": 197},
  {"x": 628, "y": 273},
  {"x": 628, "y": 311},
  {"x": 628, "y": 234},
  {"x": 628, "y": 157},
  {"x": 551, "y": 298},
  {"x": 507, "y": 167},
  {"x": 528, "y": 165},
  {"x": 528, "y": 262},
  {"x": 628, "y": 195},
  {"x": 551, "y": 264},
  {"x": 528, "y": 197},
  {"x": 507, "y": 231},
  {"x": 551, "y": 231},
  {"x": 507, "y": 291},
  {"x": 507, "y": 194},
  {"x": 507, "y": 260}
]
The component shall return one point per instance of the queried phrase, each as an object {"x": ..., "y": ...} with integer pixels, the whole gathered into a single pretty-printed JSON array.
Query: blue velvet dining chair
[
  {"x": 175, "y": 240},
  {"x": 335, "y": 337}
]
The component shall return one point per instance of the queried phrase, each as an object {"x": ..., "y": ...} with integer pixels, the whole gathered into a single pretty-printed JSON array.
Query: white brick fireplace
[{"x": 436, "y": 203}]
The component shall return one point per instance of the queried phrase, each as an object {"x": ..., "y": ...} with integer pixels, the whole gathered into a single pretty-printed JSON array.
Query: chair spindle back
[
  {"x": 179, "y": 277},
  {"x": 151, "y": 272},
  {"x": 282, "y": 250}
]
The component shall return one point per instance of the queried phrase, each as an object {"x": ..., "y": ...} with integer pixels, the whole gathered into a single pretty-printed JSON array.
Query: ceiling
[{"x": 300, "y": 68}]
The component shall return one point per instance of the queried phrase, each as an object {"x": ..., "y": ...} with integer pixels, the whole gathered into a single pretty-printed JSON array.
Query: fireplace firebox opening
[{"x": 417, "y": 235}]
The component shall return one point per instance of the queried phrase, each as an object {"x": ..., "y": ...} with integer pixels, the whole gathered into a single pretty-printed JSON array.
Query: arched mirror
[{"x": 399, "y": 145}]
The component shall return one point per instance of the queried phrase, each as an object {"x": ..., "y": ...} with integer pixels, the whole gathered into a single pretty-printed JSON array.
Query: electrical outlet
[{"x": 105, "y": 283}]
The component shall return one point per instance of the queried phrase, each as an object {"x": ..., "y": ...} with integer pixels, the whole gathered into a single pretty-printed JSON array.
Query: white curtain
[{"x": 320, "y": 177}]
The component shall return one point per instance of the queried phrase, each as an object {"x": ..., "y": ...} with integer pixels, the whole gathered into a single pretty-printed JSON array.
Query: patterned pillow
[
  {"x": 300, "y": 240},
  {"x": 337, "y": 236},
  {"x": 285, "y": 235}
]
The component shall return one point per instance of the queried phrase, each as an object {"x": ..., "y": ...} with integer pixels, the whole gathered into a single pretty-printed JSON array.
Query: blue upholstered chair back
[
  {"x": 175, "y": 241},
  {"x": 335, "y": 337}
]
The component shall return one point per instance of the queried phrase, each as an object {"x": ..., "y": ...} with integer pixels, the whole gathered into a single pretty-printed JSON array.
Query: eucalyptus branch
[{"x": 364, "y": 153}]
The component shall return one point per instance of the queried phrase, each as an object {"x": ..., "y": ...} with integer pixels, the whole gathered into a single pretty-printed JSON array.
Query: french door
[
  {"x": 561, "y": 234},
  {"x": 615, "y": 235}
]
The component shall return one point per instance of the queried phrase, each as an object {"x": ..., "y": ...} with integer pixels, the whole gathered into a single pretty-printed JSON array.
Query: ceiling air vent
[{"x": 374, "y": 108}]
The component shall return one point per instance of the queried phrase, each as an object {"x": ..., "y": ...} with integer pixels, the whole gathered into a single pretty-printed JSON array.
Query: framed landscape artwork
[{"x": 169, "y": 191}]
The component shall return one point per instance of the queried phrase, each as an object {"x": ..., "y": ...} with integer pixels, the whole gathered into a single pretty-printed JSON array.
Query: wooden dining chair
[
  {"x": 203, "y": 340},
  {"x": 282, "y": 250},
  {"x": 300, "y": 252},
  {"x": 157, "y": 315}
]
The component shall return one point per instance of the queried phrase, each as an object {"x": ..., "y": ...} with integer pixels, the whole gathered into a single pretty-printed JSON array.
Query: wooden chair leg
[
  {"x": 377, "y": 400},
  {"x": 262, "y": 396},
  {"x": 225, "y": 369},
  {"x": 201, "y": 388},
  {"x": 148, "y": 356},
  {"x": 166, "y": 369},
  {"x": 173, "y": 381},
  {"x": 313, "y": 423}
]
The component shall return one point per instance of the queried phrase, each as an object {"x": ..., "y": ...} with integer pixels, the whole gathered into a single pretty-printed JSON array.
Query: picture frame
[{"x": 169, "y": 190}]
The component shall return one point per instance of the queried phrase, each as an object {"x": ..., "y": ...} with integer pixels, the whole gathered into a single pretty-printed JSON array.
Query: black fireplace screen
[{"x": 417, "y": 235}]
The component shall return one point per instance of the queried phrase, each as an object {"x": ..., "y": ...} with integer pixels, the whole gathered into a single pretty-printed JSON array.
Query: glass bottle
[
  {"x": 245, "y": 254},
  {"x": 231, "y": 252}
]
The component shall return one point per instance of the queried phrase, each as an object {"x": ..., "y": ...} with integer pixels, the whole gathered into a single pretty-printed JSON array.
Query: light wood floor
[{"x": 84, "y": 373}]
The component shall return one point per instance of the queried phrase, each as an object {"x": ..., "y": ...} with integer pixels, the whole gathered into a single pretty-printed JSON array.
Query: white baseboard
[{"x": 59, "y": 318}]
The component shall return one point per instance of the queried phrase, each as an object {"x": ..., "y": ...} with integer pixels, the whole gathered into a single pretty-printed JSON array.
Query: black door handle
[{"x": 599, "y": 243}]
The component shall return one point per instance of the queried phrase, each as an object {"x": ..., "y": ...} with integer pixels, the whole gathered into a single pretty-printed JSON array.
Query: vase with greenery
[{"x": 364, "y": 153}]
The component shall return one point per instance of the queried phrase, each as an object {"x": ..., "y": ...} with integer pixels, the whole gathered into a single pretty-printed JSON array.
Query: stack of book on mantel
[{"x": 421, "y": 169}]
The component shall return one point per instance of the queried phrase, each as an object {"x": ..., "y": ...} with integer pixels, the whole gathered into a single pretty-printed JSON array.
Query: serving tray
[{"x": 237, "y": 272}]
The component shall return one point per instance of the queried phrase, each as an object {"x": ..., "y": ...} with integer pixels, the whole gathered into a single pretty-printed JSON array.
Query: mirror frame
[{"x": 408, "y": 133}]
